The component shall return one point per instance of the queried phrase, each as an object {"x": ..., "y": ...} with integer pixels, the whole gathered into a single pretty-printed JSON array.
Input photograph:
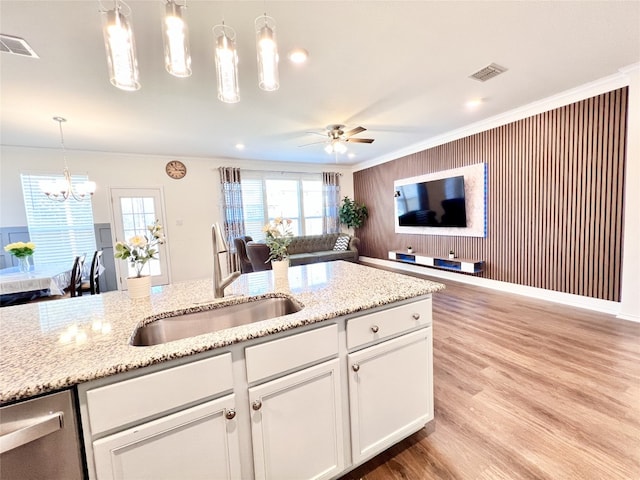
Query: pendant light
[
  {"x": 120, "y": 46},
  {"x": 62, "y": 189},
  {"x": 226, "y": 63},
  {"x": 175, "y": 34},
  {"x": 267, "y": 49}
]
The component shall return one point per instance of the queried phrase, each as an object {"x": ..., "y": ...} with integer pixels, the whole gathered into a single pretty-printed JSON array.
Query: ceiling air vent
[
  {"x": 17, "y": 46},
  {"x": 488, "y": 72}
]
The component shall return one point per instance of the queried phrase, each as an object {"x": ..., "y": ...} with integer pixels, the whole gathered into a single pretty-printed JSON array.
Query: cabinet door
[
  {"x": 390, "y": 392},
  {"x": 296, "y": 425},
  {"x": 199, "y": 442}
]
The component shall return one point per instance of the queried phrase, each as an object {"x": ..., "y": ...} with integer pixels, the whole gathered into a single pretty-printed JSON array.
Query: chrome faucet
[{"x": 220, "y": 246}]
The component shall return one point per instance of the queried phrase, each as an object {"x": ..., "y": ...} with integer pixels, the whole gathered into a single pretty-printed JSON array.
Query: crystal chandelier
[{"x": 61, "y": 189}]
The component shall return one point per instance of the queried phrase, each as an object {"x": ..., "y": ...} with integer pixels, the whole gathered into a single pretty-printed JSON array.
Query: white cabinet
[
  {"x": 178, "y": 422},
  {"x": 199, "y": 442},
  {"x": 296, "y": 410},
  {"x": 390, "y": 392}
]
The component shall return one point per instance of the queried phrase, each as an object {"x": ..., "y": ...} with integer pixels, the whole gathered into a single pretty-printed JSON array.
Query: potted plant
[
  {"x": 452, "y": 254},
  {"x": 352, "y": 214},
  {"x": 409, "y": 249},
  {"x": 138, "y": 250}
]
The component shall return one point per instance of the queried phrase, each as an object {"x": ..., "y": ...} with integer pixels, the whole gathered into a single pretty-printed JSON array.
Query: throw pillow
[{"x": 342, "y": 243}]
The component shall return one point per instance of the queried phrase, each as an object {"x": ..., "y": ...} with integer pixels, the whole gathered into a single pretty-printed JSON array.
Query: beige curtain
[
  {"x": 232, "y": 212},
  {"x": 331, "y": 202}
]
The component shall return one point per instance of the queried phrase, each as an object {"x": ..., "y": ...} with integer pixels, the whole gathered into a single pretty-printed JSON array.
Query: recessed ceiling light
[
  {"x": 298, "y": 55},
  {"x": 240, "y": 146},
  {"x": 476, "y": 102}
]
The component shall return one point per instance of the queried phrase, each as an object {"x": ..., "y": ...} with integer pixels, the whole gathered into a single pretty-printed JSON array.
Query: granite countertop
[{"x": 50, "y": 345}]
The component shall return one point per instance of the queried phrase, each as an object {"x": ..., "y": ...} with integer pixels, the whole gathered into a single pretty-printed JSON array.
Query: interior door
[{"x": 133, "y": 209}]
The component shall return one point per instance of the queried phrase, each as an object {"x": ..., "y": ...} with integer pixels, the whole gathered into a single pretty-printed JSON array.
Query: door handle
[{"x": 37, "y": 428}]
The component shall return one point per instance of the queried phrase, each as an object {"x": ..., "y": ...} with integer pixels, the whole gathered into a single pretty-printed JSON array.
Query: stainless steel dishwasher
[{"x": 39, "y": 439}]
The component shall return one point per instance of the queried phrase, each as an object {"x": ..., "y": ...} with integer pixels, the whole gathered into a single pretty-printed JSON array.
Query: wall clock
[{"x": 176, "y": 169}]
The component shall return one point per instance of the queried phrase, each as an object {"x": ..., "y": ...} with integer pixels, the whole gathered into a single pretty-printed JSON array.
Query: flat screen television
[{"x": 436, "y": 203}]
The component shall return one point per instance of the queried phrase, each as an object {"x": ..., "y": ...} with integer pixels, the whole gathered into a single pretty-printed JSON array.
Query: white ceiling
[{"x": 399, "y": 69}]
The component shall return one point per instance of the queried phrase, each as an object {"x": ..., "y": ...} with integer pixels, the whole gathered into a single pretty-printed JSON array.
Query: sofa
[{"x": 304, "y": 250}]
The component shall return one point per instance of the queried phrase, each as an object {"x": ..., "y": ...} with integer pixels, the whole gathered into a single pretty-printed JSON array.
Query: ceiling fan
[{"x": 337, "y": 138}]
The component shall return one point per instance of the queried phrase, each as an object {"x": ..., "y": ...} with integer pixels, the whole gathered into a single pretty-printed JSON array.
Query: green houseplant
[{"x": 352, "y": 214}]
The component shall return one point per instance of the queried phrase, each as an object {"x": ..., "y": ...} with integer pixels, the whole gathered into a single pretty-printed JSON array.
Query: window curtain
[
  {"x": 232, "y": 212},
  {"x": 331, "y": 202}
]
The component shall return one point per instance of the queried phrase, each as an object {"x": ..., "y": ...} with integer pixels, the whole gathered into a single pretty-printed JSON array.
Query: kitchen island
[{"x": 86, "y": 343}]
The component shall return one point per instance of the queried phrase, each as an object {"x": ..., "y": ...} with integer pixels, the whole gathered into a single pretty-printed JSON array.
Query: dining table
[{"x": 17, "y": 286}]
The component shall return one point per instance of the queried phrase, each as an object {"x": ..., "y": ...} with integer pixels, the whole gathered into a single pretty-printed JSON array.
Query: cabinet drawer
[
  {"x": 386, "y": 323},
  {"x": 278, "y": 356},
  {"x": 141, "y": 397}
]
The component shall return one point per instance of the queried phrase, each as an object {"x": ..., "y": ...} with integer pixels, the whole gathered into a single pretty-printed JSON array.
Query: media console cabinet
[{"x": 464, "y": 265}]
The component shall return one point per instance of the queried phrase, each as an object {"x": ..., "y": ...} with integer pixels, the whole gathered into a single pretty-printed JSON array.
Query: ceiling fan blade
[
  {"x": 312, "y": 143},
  {"x": 359, "y": 140},
  {"x": 354, "y": 131},
  {"x": 322, "y": 134}
]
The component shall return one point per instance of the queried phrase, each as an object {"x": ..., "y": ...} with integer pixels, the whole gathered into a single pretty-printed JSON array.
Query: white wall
[{"x": 192, "y": 204}]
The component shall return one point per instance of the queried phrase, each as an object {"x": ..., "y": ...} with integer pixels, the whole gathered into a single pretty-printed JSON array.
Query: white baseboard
[{"x": 595, "y": 304}]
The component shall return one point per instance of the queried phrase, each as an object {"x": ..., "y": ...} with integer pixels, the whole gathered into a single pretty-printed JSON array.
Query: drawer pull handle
[
  {"x": 257, "y": 405},
  {"x": 38, "y": 428},
  {"x": 375, "y": 329},
  {"x": 416, "y": 316},
  {"x": 355, "y": 367},
  {"x": 230, "y": 414}
]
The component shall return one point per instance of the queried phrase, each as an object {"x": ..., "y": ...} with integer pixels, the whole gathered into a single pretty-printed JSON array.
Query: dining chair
[
  {"x": 92, "y": 283},
  {"x": 75, "y": 283},
  {"x": 241, "y": 250}
]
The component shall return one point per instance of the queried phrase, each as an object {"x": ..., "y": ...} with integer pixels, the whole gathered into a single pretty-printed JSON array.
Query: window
[
  {"x": 60, "y": 230},
  {"x": 267, "y": 195}
]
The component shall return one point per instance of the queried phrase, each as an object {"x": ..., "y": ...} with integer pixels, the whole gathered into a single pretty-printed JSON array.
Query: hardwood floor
[{"x": 524, "y": 389}]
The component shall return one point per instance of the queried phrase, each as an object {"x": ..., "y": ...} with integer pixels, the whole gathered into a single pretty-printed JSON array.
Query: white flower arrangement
[
  {"x": 139, "y": 249},
  {"x": 278, "y": 237}
]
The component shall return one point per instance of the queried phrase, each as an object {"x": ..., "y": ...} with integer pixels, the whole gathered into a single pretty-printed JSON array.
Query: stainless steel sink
[{"x": 191, "y": 324}]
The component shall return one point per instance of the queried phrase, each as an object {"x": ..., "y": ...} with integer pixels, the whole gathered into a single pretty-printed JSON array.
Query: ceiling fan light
[
  {"x": 226, "y": 64},
  {"x": 335, "y": 146},
  {"x": 267, "y": 48},
  {"x": 175, "y": 34},
  {"x": 120, "y": 47}
]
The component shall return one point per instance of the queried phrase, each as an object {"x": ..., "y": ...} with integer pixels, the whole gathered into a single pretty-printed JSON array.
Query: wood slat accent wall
[{"x": 554, "y": 201}]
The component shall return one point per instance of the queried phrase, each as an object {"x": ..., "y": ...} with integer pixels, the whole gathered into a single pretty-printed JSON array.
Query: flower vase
[
  {"x": 139, "y": 287},
  {"x": 280, "y": 272},
  {"x": 23, "y": 264}
]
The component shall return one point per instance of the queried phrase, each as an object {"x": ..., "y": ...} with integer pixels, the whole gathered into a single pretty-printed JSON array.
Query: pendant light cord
[{"x": 64, "y": 150}]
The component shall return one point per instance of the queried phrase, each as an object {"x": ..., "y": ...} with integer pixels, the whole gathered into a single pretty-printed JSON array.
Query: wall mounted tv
[{"x": 435, "y": 203}]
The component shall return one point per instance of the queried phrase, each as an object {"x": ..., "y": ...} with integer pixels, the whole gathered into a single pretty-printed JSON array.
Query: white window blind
[
  {"x": 60, "y": 230},
  {"x": 296, "y": 196}
]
